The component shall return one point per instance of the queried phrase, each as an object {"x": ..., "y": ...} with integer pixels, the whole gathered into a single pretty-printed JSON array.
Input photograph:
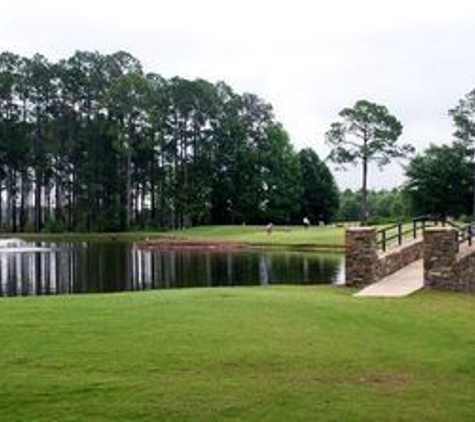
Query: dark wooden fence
[{"x": 400, "y": 232}]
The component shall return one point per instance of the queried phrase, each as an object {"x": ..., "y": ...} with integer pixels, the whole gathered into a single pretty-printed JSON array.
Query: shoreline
[
  {"x": 205, "y": 237},
  {"x": 220, "y": 245}
]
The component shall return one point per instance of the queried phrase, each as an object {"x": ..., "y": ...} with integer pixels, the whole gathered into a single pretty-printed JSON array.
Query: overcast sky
[{"x": 308, "y": 58}]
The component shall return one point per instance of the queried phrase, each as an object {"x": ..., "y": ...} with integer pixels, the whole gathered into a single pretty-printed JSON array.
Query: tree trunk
[
  {"x": 38, "y": 176},
  {"x": 1, "y": 204},
  {"x": 473, "y": 216},
  {"x": 13, "y": 208},
  {"x": 47, "y": 216},
  {"x": 364, "y": 194},
  {"x": 142, "y": 207},
  {"x": 128, "y": 189},
  {"x": 58, "y": 211},
  {"x": 152, "y": 218},
  {"x": 70, "y": 205},
  {"x": 23, "y": 196},
  {"x": 8, "y": 203}
]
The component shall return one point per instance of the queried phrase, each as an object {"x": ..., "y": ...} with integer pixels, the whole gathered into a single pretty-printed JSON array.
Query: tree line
[
  {"x": 93, "y": 142},
  {"x": 384, "y": 206},
  {"x": 439, "y": 180}
]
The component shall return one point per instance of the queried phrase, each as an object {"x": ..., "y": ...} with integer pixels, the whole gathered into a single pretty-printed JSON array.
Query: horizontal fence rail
[
  {"x": 399, "y": 232},
  {"x": 466, "y": 233}
]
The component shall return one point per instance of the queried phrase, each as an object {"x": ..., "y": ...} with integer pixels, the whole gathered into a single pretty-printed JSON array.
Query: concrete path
[{"x": 401, "y": 283}]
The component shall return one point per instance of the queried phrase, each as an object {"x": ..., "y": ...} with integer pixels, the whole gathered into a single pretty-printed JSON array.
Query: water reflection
[{"x": 61, "y": 268}]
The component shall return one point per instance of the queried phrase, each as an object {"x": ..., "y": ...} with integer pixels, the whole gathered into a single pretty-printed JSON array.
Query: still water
[{"x": 28, "y": 268}]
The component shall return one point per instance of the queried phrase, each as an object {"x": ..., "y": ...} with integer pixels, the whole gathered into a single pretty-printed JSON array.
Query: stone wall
[
  {"x": 364, "y": 264},
  {"x": 395, "y": 259},
  {"x": 446, "y": 266},
  {"x": 465, "y": 272},
  {"x": 440, "y": 256},
  {"x": 361, "y": 256}
]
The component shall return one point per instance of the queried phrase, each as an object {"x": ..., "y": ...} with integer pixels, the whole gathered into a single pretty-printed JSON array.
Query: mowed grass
[
  {"x": 281, "y": 235},
  {"x": 252, "y": 354}
]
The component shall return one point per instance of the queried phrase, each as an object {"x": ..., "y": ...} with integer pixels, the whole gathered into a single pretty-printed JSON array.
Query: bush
[{"x": 53, "y": 226}]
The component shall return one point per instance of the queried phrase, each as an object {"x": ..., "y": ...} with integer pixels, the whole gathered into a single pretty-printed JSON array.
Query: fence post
[{"x": 399, "y": 233}]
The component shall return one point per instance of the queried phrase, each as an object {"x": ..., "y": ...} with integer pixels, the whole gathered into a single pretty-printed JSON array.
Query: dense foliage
[
  {"x": 319, "y": 196},
  {"x": 439, "y": 181},
  {"x": 383, "y": 205},
  {"x": 463, "y": 115},
  {"x": 93, "y": 142}
]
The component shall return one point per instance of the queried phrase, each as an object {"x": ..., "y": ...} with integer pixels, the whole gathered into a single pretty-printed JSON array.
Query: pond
[{"x": 40, "y": 268}]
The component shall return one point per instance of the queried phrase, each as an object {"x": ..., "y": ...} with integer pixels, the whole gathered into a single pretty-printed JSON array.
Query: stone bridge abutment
[{"x": 447, "y": 265}]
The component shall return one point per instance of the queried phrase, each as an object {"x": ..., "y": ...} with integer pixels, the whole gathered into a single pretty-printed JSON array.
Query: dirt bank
[{"x": 167, "y": 244}]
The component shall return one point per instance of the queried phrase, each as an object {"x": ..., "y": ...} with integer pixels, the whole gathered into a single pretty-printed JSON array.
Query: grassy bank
[
  {"x": 257, "y": 354},
  {"x": 136, "y": 236},
  {"x": 281, "y": 236}
]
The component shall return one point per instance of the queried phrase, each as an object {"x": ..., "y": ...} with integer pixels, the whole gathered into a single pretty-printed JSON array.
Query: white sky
[{"x": 309, "y": 58}]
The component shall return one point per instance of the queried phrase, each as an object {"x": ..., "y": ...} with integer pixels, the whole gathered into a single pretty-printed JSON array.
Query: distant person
[
  {"x": 269, "y": 228},
  {"x": 306, "y": 222}
]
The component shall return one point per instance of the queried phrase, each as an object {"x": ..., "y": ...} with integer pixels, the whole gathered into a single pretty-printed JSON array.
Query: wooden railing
[
  {"x": 466, "y": 234},
  {"x": 399, "y": 232}
]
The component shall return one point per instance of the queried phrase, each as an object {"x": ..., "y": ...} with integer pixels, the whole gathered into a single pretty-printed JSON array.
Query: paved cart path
[{"x": 402, "y": 283}]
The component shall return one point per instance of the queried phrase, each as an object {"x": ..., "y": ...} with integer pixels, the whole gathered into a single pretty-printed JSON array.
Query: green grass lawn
[
  {"x": 281, "y": 235},
  {"x": 254, "y": 354},
  {"x": 293, "y": 235}
]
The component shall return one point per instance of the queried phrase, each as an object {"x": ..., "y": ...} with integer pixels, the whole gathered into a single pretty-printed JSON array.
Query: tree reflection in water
[{"x": 62, "y": 268}]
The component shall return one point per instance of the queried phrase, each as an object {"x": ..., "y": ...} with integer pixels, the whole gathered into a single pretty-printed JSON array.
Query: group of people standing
[{"x": 305, "y": 222}]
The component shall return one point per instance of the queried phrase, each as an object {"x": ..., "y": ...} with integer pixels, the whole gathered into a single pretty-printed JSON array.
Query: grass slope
[
  {"x": 256, "y": 354},
  {"x": 292, "y": 235}
]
